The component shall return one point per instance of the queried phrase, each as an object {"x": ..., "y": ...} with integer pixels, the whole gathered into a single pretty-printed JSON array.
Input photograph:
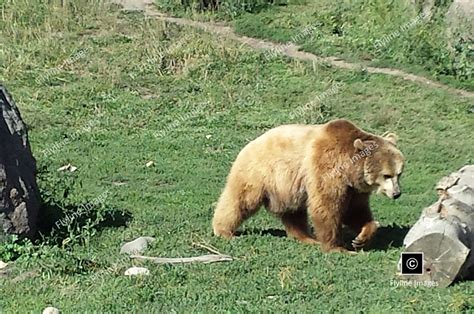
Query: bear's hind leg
[
  {"x": 231, "y": 210},
  {"x": 296, "y": 226},
  {"x": 227, "y": 216}
]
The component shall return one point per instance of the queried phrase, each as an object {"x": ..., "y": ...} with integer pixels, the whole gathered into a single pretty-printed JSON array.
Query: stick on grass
[{"x": 212, "y": 258}]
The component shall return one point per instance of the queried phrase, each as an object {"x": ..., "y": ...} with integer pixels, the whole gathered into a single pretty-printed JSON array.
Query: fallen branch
[
  {"x": 212, "y": 258},
  {"x": 207, "y": 247}
]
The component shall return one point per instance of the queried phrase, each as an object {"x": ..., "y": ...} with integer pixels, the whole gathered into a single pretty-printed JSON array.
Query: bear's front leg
[
  {"x": 359, "y": 218},
  {"x": 296, "y": 226},
  {"x": 325, "y": 207}
]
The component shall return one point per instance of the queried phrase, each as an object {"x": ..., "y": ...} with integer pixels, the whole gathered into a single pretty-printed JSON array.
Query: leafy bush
[{"x": 12, "y": 248}]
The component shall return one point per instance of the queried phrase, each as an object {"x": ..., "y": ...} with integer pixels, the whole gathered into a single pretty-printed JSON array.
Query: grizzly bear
[{"x": 322, "y": 172}]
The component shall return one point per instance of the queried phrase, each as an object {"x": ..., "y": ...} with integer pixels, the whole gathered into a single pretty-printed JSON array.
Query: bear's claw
[{"x": 358, "y": 243}]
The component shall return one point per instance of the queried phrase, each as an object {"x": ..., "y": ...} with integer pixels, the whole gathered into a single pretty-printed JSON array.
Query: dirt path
[{"x": 289, "y": 50}]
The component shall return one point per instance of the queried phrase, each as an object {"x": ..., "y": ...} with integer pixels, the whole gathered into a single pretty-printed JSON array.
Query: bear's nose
[{"x": 397, "y": 195}]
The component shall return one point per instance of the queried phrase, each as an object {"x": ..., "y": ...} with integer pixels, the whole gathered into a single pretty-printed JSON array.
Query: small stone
[
  {"x": 50, "y": 310},
  {"x": 137, "y": 271},
  {"x": 150, "y": 163},
  {"x": 136, "y": 246},
  {"x": 208, "y": 136}
]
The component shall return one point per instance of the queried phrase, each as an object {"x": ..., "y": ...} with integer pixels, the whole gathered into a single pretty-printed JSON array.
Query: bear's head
[{"x": 383, "y": 164}]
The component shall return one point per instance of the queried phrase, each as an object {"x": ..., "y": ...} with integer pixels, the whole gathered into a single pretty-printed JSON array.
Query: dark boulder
[{"x": 19, "y": 195}]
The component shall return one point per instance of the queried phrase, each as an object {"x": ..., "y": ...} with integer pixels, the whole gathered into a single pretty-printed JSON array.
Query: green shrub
[{"x": 12, "y": 247}]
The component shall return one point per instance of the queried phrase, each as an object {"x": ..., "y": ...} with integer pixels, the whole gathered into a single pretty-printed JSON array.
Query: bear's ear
[
  {"x": 360, "y": 145},
  {"x": 392, "y": 138}
]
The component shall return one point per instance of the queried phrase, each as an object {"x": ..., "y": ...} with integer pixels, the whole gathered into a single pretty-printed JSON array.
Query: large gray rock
[
  {"x": 19, "y": 195},
  {"x": 460, "y": 21}
]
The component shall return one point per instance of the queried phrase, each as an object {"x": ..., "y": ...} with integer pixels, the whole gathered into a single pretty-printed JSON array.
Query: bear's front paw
[
  {"x": 366, "y": 234},
  {"x": 358, "y": 243}
]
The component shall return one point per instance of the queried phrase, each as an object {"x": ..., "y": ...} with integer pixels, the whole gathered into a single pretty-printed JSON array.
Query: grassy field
[
  {"x": 371, "y": 32},
  {"x": 109, "y": 92}
]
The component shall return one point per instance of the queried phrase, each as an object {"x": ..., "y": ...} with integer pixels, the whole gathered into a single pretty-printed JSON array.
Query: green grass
[
  {"x": 209, "y": 97},
  {"x": 353, "y": 30}
]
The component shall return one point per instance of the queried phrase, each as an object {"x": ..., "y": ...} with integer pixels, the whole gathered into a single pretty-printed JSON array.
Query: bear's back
[
  {"x": 276, "y": 147},
  {"x": 291, "y": 137}
]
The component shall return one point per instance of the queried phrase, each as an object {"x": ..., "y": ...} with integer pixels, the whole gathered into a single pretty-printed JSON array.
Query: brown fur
[{"x": 322, "y": 172}]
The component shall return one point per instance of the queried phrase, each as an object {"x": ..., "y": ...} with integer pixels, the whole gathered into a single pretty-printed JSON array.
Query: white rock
[
  {"x": 50, "y": 310},
  {"x": 68, "y": 167},
  {"x": 137, "y": 271},
  {"x": 3, "y": 265},
  {"x": 136, "y": 246},
  {"x": 150, "y": 163}
]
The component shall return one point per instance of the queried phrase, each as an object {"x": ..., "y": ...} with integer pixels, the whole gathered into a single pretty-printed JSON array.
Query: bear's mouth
[
  {"x": 381, "y": 191},
  {"x": 391, "y": 196}
]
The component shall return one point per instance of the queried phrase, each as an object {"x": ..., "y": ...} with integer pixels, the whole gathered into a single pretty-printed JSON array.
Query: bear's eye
[{"x": 386, "y": 177}]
